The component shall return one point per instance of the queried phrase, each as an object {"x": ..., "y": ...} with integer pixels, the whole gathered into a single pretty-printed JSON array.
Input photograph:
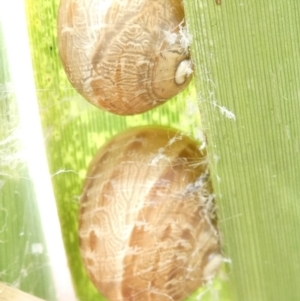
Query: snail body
[
  {"x": 124, "y": 56},
  {"x": 147, "y": 229}
]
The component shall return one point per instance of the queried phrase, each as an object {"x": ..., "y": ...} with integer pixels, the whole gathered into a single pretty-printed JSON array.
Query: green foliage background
[{"x": 20, "y": 225}]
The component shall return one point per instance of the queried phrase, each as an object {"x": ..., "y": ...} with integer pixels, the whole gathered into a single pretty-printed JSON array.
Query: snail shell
[
  {"x": 146, "y": 224},
  {"x": 124, "y": 56}
]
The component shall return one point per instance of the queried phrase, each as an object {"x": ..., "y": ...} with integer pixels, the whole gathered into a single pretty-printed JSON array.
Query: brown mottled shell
[
  {"x": 122, "y": 55},
  {"x": 146, "y": 224}
]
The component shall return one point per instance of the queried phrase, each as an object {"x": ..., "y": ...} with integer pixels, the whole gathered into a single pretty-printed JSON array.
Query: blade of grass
[
  {"x": 38, "y": 181},
  {"x": 247, "y": 64}
]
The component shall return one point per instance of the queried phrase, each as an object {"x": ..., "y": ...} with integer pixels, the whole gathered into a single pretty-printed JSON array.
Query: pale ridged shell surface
[
  {"x": 124, "y": 55},
  {"x": 146, "y": 224}
]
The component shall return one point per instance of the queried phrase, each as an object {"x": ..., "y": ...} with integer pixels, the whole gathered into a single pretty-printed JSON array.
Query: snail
[
  {"x": 126, "y": 57},
  {"x": 147, "y": 226}
]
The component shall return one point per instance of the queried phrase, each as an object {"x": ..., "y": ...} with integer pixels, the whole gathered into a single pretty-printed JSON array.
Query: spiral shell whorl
[
  {"x": 146, "y": 226},
  {"x": 117, "y": 56}
]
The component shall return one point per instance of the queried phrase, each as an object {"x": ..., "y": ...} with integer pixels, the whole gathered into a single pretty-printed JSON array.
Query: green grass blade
[
  {"x": 23, "y": 252},
  {"x": 247, "y": 64}
]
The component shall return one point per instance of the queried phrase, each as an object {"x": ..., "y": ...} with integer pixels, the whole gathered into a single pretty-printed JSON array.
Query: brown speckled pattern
[
  {"x": 146, "y": 224},
  {"x": 115, "y": 52}
]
